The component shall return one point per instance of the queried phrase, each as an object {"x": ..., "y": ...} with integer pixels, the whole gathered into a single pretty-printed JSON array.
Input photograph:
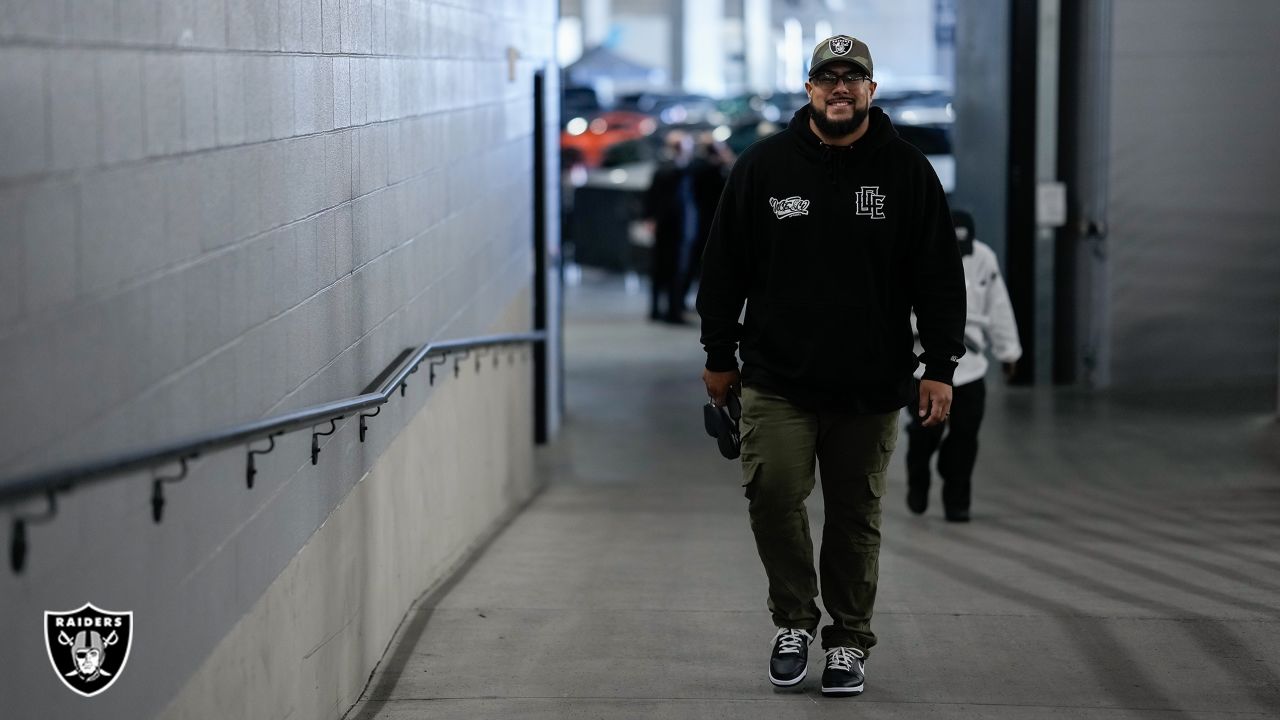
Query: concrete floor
[{"x": 1123, "y": 562}]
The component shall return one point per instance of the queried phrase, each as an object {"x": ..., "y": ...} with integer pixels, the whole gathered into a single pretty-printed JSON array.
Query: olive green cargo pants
[{"x": 780, "y": 443}]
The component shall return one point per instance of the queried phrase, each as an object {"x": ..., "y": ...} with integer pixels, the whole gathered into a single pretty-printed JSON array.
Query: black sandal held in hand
[{"x": 722, "y": 424}]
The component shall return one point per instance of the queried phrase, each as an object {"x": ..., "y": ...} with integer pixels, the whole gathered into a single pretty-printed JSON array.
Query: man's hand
[
  {"x": 1010, "y": 369},
  {"x": 935, "y": 402},
  {"x": 720, "y": 384}
]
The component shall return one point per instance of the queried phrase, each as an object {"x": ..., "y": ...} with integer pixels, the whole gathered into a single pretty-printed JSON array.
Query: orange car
[{"x": 592, "y": 138}]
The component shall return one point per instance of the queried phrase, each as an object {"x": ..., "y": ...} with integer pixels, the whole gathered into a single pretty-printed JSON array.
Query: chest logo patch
[
  {"x": 789, "y": 207},
  {"x": 870, "y": 203}
]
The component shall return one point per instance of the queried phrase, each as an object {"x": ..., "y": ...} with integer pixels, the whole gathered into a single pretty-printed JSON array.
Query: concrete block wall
[
  {"x": 305, "y": 647},
  {"x": 215, "y": 211}
]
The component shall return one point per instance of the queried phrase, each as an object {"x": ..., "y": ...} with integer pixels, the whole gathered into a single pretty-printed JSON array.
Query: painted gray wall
[
  {"x": 1194, "y": 242},
  {"x": 211, "y": 212},
  {"x": 981, "y": 135}
]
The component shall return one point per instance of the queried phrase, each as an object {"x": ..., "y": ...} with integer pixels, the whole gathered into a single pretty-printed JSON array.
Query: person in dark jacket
[
  {"x": 671, "y": 207},
  {"x": 711, "y": 165},
  {"x": 832, "y": 232}
]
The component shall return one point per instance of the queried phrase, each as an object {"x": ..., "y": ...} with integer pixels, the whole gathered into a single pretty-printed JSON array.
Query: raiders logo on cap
[{"x": 841, "y": 48}]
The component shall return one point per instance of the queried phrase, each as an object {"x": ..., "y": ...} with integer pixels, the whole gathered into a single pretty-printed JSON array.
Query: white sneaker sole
[
  {"x": 857, "y": 690},
  {"x": 788, "y": 683}
]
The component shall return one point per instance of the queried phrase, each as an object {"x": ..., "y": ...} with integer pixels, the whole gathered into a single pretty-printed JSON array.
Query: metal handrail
[{"x": 49, "y": 483}]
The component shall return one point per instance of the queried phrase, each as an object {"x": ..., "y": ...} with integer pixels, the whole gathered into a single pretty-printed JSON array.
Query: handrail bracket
[
  {"x": 18, "y": 540},
  {"x": 315, "y": 439},
  {"x": 157, "y": 487},
  {"x": 364, "y": 428},
  {"x": 251, "y": 470}
]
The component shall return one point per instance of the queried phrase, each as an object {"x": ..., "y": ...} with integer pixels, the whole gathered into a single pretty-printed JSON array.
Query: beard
[{"x": 838, "y": 128}]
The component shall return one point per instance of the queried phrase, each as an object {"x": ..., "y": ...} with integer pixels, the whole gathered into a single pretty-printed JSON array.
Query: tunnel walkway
[{"x": 1123, "y": 562}]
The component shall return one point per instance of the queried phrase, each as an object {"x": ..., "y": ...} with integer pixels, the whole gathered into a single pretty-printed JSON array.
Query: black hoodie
[{"x": 832, "y": 248}]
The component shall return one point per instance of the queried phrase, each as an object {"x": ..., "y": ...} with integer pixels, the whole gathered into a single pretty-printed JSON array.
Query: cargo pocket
[
  {"x": 751, "y": 463},
  {"x": 750, "y": 476},
  {"x": 878, "y": 479},
  {"x": 877, "y": 483}
]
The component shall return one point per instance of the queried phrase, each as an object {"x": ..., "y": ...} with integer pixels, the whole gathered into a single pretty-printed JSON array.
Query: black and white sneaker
[
  {"x": 845, "y": 672},
  {"x": 790, "y": 658}
]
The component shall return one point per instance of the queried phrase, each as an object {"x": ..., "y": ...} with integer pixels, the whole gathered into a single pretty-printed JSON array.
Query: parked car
[
  {"x": 674, "y": 109},
  {"x": 742, "y": 136},
  {"x": 925, "y": 119},
  {"x": 934, "y": 140},
  {"x": 578, "y": 101},
  {"x": 592, "y": 136}
]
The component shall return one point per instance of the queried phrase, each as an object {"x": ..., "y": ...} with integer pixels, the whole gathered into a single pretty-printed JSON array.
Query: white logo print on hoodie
[{"x": 789, "y": 207}]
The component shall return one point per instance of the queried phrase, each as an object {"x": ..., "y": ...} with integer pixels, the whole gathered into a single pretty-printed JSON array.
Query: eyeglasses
[{"x": 827, "y": 80}]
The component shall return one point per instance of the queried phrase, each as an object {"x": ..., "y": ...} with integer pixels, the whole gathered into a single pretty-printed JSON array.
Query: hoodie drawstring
[{"x": 831, "y": 160}]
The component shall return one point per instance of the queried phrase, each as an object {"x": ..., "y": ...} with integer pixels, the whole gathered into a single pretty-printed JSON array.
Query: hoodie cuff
[
  {"x": 941, "y": 372},
  {"x": 722, "y": 361}
]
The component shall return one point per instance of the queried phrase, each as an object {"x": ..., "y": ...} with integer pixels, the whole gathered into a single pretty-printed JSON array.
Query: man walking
[
  {"x": 832, "y": 232},
  {"x": 990, "y": 318}
]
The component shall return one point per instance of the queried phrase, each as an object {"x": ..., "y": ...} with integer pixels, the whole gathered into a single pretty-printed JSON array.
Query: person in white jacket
[{"x": 989, "y": 318}]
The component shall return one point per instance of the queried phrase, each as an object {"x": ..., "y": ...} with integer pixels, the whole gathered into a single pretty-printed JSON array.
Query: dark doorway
[
  {"x": 1020, "y": 222},
  {"x": 541, "y": 422}
]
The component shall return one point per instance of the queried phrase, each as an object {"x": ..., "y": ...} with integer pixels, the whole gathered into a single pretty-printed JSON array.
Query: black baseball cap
[
  {"x": 962, "y": 219},
  {"x": 841, "y": 48}
]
